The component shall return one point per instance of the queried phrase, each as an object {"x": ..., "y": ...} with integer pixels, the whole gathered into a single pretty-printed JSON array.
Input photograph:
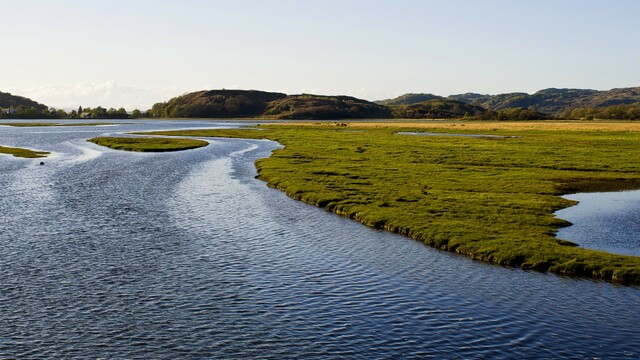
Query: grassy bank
[
  {"x": 148, "y": 144},
  {"x": 23, "y": 153},
  {"x": 492, "y": 199}
]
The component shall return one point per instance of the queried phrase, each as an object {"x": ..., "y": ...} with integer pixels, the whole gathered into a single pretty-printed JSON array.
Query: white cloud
[{"x": 108, "y": 94}]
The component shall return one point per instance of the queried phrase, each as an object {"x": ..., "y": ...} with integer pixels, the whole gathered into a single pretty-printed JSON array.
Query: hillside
[
  {"x": 253, "y": 103},
  {"x": 623, "y": 103},
  {"x": 8, "y": 101},
  {"x": 548, "y": 101},
  {"x": 437, "y": 109},
  {"x": 555, "y": 101},
  {"x": 260, "y": 104},
  {"x": 216, "y": 104},
  {"x": 468, "y": 97},
  {"x": 408, "y": 99},
  {"x": 309, "y": 107}
]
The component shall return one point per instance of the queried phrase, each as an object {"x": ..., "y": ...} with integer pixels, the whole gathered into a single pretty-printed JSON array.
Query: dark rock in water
[{"x": 41, "y": 162}]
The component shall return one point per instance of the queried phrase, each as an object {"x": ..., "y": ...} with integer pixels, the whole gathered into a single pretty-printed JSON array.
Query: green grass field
[
  {"x": 148, "y": 144},
  {"x": 23, "y": 153},
  {"x": 492, "y": 199}
]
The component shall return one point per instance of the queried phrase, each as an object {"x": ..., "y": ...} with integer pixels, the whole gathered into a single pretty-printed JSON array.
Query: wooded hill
[
  {"x": 253, "y": 103},
  {"x": 18, "y": 106},
  {"x": 436, "y": 109},
  {"x": 216, "y": 104},
  {"x": 8, "y": 101},
  {"x": 621, "y": 103},
  {"x": 554, "y": 101}
]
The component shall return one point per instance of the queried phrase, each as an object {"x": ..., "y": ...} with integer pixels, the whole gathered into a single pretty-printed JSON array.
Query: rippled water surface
[{"x": 108, "y": 254}]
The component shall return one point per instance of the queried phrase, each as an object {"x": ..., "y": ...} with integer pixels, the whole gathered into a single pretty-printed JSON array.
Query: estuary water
[
  {"x": 110, "y": 254},
  {"x": 607, "y": 221}
]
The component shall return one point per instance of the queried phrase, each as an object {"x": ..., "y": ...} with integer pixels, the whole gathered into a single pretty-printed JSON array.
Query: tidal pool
[{"x": 608, "y": 221}]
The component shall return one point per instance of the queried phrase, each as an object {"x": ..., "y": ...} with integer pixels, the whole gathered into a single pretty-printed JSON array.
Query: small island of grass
[
  {"x": 148, "y": 144},
  {"x": 23, "y": 153}
]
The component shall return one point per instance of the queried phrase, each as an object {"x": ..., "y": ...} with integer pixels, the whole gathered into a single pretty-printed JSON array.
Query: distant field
[
  {"x": 489, "y": 198},
  {"x": 148, "y": 144}
]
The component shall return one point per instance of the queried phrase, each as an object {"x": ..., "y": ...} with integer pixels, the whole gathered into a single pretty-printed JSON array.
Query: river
[{"x": 110, "y": 254}]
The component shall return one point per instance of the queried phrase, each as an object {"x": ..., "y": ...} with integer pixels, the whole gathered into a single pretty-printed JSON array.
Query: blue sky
[{"x": 133, "y": 53}]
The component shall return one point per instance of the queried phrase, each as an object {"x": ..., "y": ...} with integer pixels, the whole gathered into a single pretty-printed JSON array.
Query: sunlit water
[
  {"x": 108, "y": 254},
  {"x": 604, "y": 221}
]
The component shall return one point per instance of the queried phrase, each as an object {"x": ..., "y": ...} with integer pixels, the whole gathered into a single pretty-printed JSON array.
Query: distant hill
[
  {"x": 550, "y": 101},
  {"x": 8, "y": 101},
  {"x": 311, "y": 107},
  {"x": 261, "y": 104},
  {"x": 253, "y": 103},
  {"x": 555, "y": 101},
  {"x": 611, "y": 112},
  {"x": 468, "y": 97},
  {"x": 437, "y": 109},
  {"x": 408, "y": 99},
  {"x": 216, "y": 104},
  {"x": 623, "y": 103}
]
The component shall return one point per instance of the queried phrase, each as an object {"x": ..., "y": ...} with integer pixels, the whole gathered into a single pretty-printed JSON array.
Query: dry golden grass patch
[{"x": 481, "y": 125}]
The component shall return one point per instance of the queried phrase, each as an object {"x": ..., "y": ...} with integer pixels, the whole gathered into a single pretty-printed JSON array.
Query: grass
[
  {"x": 492, "y": 199},
  {"x": 40, "y": 124},
  {"x": 148, "y": 144},
  {"x": 23, "y": 153}
]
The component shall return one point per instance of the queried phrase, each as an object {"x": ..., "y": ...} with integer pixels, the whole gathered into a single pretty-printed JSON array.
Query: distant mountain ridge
[
  {"x": 622, "y": 103},
  {"x": 554, "y": 101},
  {"x": 409, "y": 99},
  {"x": 550, "y": 101}
]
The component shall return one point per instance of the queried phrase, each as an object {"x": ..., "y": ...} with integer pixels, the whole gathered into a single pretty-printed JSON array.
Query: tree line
[
  {"x": 612, "y": 112},
  {"x": 32, "y": 112},
  {"x": 317, "y": 107}
]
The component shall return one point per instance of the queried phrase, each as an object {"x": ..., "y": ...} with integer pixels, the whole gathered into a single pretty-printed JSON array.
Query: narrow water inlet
[{"x": 608, "y": 221}]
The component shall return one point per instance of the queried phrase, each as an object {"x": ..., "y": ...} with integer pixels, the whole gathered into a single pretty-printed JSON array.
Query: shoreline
[
  {"x": 23, "y": 152},
  {"x": 506, "y": 218},
  {"x": 147, "y": 144}
]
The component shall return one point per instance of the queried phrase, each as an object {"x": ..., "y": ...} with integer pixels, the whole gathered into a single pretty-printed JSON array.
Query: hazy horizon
[{"x": 134, "y": 53}]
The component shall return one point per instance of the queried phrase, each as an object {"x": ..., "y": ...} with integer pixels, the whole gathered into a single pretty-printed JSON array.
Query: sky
[{"x": 134, "y": 53}]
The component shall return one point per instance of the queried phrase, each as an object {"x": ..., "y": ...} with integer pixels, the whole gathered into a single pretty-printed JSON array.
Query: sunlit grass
[
  {"x": 148, "y": 144},
  {"x": 23, "y": 153},
  {"x": 492, "y": 199}
]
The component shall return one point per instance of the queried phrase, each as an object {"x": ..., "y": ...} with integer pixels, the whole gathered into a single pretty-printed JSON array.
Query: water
[
  {"x": 605, "y": 221},
  {"x": 109, "y": 254}
]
